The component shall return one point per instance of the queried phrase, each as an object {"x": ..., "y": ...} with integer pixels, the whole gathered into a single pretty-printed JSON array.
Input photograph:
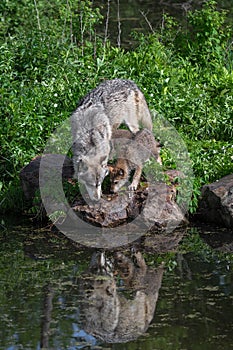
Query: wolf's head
[
  {"x": 91, "y": 173},
  {"x": 118, "y": 178}
]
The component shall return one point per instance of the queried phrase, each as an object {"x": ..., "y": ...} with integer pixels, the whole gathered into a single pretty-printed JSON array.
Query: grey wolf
[
  {"x": 91, "y": 135},
  {"x": 132, "y": 152},
  {"x": 100, "y": 112}
]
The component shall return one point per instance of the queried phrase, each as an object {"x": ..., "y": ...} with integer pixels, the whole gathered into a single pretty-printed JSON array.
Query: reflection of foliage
[
  {"x": 23, "y": 280},
  {"x": 193, "y": 243},
  {"x": 168, "y": 260}
]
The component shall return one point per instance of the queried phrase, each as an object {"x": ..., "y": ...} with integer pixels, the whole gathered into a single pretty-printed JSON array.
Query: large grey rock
[
  {"x": 216, "y": 204},
  {"x": 156, "y": 206},
  {"x": 29, "y": 175}
]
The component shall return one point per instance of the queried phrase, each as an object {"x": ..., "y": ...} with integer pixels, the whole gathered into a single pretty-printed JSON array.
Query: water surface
[{"x": 57, "y": 296}]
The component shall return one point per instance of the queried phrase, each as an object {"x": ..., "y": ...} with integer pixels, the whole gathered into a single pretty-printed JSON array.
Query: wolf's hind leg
[
  {"x": 156, "y": 153},
  {"x": 134, "y": 128}
]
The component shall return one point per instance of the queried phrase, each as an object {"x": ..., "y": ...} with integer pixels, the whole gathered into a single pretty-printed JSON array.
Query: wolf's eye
[{"x": 115, "y": 182}]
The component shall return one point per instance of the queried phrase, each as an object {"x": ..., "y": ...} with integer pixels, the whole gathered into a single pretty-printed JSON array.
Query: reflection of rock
[
  {"x": 162, "y": 243},
  {"x": 219, "y": 238},
  {"x": 110, "y": 315},
  {"x": 46, "y": 316},
  {"x": 216, "y": 204}
]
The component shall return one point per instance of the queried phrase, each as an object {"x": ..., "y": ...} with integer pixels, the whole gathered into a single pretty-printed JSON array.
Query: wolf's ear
[
  {"x": 103, "y": 160},
  {"x": 82, "y": 166}
]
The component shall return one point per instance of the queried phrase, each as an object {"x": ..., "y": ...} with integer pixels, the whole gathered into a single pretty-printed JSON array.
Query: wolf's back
[{"x": 123, "y": 101}]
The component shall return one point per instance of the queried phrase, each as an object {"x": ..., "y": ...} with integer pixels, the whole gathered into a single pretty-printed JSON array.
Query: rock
[
  {"x": 162, "y": 212},
  {"x": 29, "y": 175},
  {"x": 154, "y": 205},
  {"x": 216, "y": 203}
]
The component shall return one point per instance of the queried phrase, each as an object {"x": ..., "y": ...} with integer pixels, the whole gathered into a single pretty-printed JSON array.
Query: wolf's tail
[
  {"x": 146, "y": 121},
  {"x": 145, "y": 116}
]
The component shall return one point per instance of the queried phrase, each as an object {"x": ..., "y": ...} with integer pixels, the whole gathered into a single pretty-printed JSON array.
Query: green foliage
[
  {"x": 208, "y": 39},
  {"x": 212, "y": 158},
  {"x": 72, "y": 21},
  {"x": 51, "y": 57}
]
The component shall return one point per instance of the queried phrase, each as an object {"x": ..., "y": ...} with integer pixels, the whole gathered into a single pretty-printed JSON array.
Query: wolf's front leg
[{"x": 136, "y": 179}]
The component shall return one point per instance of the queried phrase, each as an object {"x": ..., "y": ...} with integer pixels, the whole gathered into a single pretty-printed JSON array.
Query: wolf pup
[
  {"x": 100, "y": 112},
  {"x": 131, "y": 156}
]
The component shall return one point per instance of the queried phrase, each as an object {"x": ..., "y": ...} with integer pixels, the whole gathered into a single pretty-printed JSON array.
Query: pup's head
[
  {"x": 118, "y": 178},
  {"x": 91, "y": 173}
]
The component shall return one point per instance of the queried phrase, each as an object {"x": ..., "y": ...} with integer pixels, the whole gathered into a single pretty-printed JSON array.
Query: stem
[
  {"x": 119, "y": 24},
  {"x": 37, "y": 15},
  {"x": 106, "y": 24},
  {"x": 82, "y": 31},
  {"x": 68, "y": 13},
  {"x": 95, "y": 45}
]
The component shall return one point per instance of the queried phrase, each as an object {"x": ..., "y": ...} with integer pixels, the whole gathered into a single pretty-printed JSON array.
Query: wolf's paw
[
  {"x": 134, "y": 185},
  {"x": 132, "y": 188}
]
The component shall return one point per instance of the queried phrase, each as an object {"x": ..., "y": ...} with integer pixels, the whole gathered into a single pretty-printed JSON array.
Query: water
[{"x": 51, "y": 298}]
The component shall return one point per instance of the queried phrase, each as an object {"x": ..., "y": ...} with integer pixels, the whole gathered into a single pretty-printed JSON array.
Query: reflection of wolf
[
  {"x": 132, "y": 154},
  {"x": 106, "y": 107},
  {"x": 109, "y": 314}
]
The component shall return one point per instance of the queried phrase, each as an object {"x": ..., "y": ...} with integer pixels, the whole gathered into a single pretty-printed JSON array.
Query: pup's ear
[{"x": 111, "y": 168}]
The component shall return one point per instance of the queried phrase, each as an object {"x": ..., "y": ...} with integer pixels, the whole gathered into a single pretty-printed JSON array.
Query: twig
[
  {"x": 95, "y": 46},
  {"x": 71, "y": 22},
  {"x": 82, "y": 31},
  {"x": 147, "y": 21},
  {"x": 119, "y": 24},
  {"x": 106, "y": 24}
]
